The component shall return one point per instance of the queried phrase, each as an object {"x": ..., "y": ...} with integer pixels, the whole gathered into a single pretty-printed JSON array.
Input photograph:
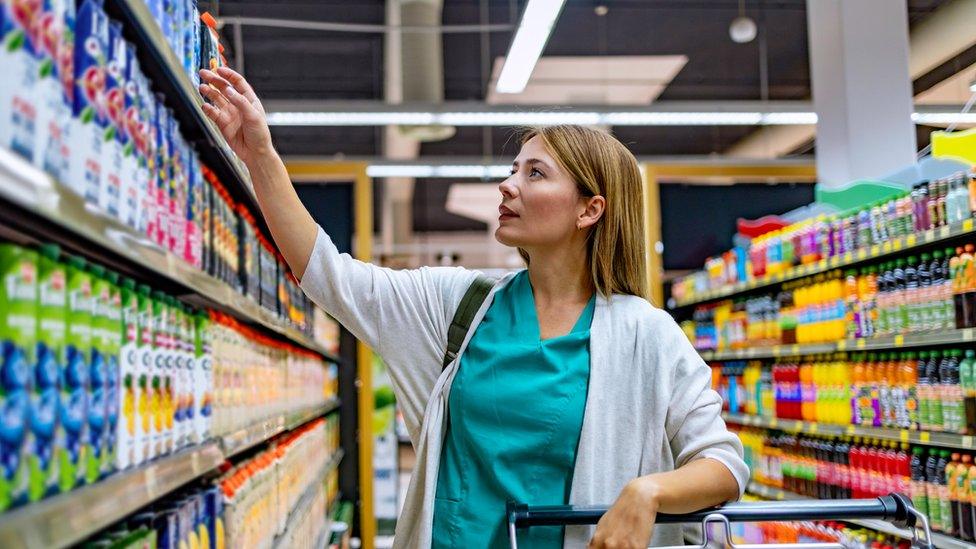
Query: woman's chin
[{"x": 504, "y": 237}]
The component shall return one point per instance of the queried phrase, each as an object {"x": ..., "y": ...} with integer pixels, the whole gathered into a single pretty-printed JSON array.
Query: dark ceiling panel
[
  {"x": 429, "y": 212},
  {"x": 310, "y": 141}
]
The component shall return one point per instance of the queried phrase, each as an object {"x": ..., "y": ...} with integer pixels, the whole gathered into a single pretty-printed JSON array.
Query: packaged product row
[
  {"x": 77, "y": 104},
  {"x": 929, "y": 205},
  {"x": 927, "y": 390},
  {"x": 850, "y": 537},
  {"x": 928, "y": 292},
  {"x": 266, "y": 486},
  {"x": 101, "y": 373},
  {"x": 942, "y": 484}
]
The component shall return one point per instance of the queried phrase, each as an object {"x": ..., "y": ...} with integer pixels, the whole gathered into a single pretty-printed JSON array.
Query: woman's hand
[
  {"x": 630, "y": 522},
  {"x": 237, "y": 112}
]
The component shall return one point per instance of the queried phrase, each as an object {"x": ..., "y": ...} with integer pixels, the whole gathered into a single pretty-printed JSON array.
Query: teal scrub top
[{"x": 514, "y": 418}]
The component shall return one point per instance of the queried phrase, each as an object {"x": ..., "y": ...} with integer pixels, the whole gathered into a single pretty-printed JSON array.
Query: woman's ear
[{"x": 594, "y": 208}]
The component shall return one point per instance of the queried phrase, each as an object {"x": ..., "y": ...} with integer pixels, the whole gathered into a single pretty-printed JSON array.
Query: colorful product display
[
  {"x": 930, "y": 205},
  {"x": 101, "y": 374},
  {"x": 941, "y": 483},
  {"x": 851, "y": 537}
]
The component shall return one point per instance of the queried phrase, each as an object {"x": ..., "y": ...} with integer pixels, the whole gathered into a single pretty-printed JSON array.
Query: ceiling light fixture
[
  {"x": 743, "y": 28},
  {"x": 530, "y": 39},
  {"x": 939, "y": 118},
  {"x": 481, "y": 171}
]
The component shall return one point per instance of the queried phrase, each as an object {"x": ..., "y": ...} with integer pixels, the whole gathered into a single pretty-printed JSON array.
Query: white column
[{"x": 861, "y": 88}]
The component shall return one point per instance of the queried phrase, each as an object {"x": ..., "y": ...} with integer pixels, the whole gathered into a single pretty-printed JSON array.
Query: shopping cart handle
[{"x": 895, "y": 509}]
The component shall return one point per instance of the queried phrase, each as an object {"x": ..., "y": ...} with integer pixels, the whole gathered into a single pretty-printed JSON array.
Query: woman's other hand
[
  {"x": 237, "y": 112},
  {"x": 630, "y": 522}
]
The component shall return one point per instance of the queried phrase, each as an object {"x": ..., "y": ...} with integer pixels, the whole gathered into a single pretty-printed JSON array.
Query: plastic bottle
[
  {"x": 903, "y": 469},
  {"x": 964, "y": 519},
  {"x": 937, "y": 308},
  {"x": 932, "y": 474},
  {"x": 931, "y": 205},
  {"x": 947, "y": 297},
  {"x": 908, "y": 381},
  {"x": 968, "y": 283},
  {"x": 952, "y": 471},
  {"x": 934, "y": 370},
  {"x": 924, "y": 392},
  {"x": 912, "y": 301},
  {"x": 952, "y": 395},
  {"x": 919, "y": 491},
  {"x": 967, "y": 380},
  {"x": 926, "y": 311},
  {"x": 945, "y": 504},
  {"x": 901, "y": 298}
]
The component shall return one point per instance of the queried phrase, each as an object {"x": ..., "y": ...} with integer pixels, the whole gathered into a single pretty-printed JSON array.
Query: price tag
[
  {"x": 862, "y": 254},
  {"x": 899, "y": 341},
  {"x": 875, "y": 250},
  {"x": 842, "y": 345},
  {"x": 928, "y": 236},
  {"x": 967, "y": 441},
  {"x": 861, "y": 344},
  {"x": 925, "y": 437},
  {"x": 835, "y": 261},
  {"x": 897, "y": 244},
  {"x": 822, "y": 264},
  {"x": 776, "y": 350},
  {"x": 967, "y": 225},
  {"x": 967, "y": 334},
  {"x": 849, "y": 430},
  {"x": 910, "y": 240},
  {"x": 903, "y": 435},
  {"x": 886, "y": 247},
  {"x": 848, "y": 257},
  {"x": 795, "y": 349},
  {"x": 751, "y": 352},
  {"x": 813, "y": 428},
  {"x": 773, "y": 422},
  {"x": 151, "y": 485},
  {"x": 944, "y": 232}
]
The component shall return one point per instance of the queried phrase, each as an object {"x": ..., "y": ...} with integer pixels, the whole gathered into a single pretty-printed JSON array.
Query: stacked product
[
  {"x": 942, "y": 484},
  {"x": 928, "y": 206},
  {"x": 931, "y": 390},
  {"x": 817, "y": 532},
  {"x": 102, "y": 374},
  {"x": 919, "y": 293}
]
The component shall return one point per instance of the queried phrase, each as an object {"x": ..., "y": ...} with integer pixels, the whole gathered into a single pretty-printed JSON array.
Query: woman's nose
[{"x": 507, "y": 187}]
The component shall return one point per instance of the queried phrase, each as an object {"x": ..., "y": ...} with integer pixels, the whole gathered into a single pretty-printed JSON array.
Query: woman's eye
[
  {"x": 535, "y": 173},
  {"x": 511, "y": 172}
]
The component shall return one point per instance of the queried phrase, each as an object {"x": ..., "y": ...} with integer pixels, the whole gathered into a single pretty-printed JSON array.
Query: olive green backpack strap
[{"x": 473, "y": 298}]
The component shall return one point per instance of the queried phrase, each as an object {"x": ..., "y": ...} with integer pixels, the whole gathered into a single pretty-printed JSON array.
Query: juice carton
[
  {"x": 71, "y": 441},
  {"x": 160, "y": 202},
  {"x": 162, "y": 377},
  {"x": 18, "y": 336},
  {"x": 133, "y": 179},
  {"x": 129, "y": 419},
  {"x": 90, "y": 117},
  {"x": 52, "y": 151},
  {"x": 21, "y": 45},
  {"x": 188, "y": 377},
  {"x": 6, "y": 59},
  {"x": 203, "y": 387},
  {"x": 147, "y": 167},
  {"x": 114, "y": 138},
  {"x": 52, "y": 333},
  {"x": 192, "y": 48},
  {"x": 194, "y": 212},
  {"x": 176, "y": 191},
  {"x": 112, "y": 386},
  {"x": 145, "y": 415},
  {"x": 98, "y": 376}
]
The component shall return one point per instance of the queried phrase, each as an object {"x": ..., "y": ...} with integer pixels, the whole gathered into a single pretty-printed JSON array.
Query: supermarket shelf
[
  {"x": 166, "y": 70},
  {"x": 948, "y": 337},
  {"x": 249, "y": 437},
  {"x": 67, "y": 519},
  {"x": 894, "y": 246},
  {"x": 306, "y": 500},
  {"x": 928, "y": 438},
  {"x": 41, "y": 196},
  {"x": 939, "y": 540}
]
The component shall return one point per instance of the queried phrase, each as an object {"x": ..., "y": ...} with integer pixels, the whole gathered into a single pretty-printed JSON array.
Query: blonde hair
[{"x": 601, "y": 165}]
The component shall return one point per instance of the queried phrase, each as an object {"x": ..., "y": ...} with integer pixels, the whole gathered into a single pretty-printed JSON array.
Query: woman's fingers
[
  {"x": 245, "y": 107},
  {"x": 213, "y": 113},
  {"x": 214, "y": 95},
  {"x": 239, "y": 82}
]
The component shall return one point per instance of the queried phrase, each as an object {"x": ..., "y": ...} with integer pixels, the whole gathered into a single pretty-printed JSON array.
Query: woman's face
[{"x": 540, "y": 203}]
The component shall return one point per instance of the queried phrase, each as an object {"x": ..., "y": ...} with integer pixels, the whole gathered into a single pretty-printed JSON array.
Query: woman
[{"x": 569, "y": 387}]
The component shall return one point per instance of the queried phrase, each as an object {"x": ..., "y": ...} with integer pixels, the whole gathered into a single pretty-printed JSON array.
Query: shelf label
[
  {"x": 151, "y": 485},
  {"x": 924, "y": 436},
  {"x": 776, "y": 350},
  {"x": 967, "y": 334},
  {"x": 861, "y": 343},
  {"x": 967, "y": 225},
  {"x": 967, "y": 441},
  {"x": 773, "y": 422},
  {"x": 899, "y": 340},
  {"x": 822, "y": 264},
  {"x": 849, "y": 430},
  {"x": 875, "y": 250},
  {"x": 862, "y": 254},
  {"x": 795, "y": 349},
  {"x": 910, "y": 240},
  {"x": 848, "y": 257},
  {"x": 896, "y": 244},
  {"x": 903, "y": 435},
  {"x": 813, "y": 428},
  {"x": 928, "y": 236},
  {"x": 944, "y": 232},
  {"x": 751, "y": 352},
  {"x": 886, "y": 247},
  {"x": 842, "y": 345}
]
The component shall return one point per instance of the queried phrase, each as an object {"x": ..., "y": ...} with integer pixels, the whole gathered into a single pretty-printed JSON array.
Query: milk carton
[
  {"x": 115, "y": 137},
  {"x": 129, "y": 420},
  {"x": 18, "y": 336},
  {"x": 52, "y": 334},
  {"x": 98, "y": 376},
  {"x": 52, "y": 151},
  {"x": 133, "y": 161},
  {"x": 72, "y": 443},
  {"x": 20, "y": 47},
  {"x": 90, "y": 117}
]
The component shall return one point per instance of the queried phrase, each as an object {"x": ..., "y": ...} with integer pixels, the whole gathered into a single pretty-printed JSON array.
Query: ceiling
[{"x": 306, "y": 64}]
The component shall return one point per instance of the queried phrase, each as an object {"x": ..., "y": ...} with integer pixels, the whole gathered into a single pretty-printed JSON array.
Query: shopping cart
[{"x": 895, "y": 509}]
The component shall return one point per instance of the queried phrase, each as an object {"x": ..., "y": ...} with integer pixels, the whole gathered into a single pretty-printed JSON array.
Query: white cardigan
[{"x": 649, "y": 409}]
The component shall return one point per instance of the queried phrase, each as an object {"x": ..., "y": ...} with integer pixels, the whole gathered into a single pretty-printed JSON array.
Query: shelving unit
[
  {"x": 244, "y": 439},
  {"x": 891, "y": 247},
  {"x": 40, "y": 196},
  {"x": 924, "y": 339},
  {"x": 929, "y": 438},
  {"x": 69, "y": 518},
  {"x": 306, "y": 501},
  {"x": 939, "y": 540}
]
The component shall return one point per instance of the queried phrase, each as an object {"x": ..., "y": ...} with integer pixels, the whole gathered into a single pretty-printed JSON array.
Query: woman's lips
[{"x": 506, "y": 213}]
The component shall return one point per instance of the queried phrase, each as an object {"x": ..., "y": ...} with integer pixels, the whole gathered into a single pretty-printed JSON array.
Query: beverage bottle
[
  {"x": 940, "y": 205},
  {"x": 903, "y": 468},
  {"x": 947, "y": 297},
  {"x": 882, "y": 301},
  {"x": 908, "y": 384},
  {"x": 901, "y": 296},
  {"x": 952, "y": 478},
  {"x": 858, "y": 389},
  {"x": 959, "y": 301},
  {"x": 964, "y": 493},
  {"x": 870, "y": 297},
  {"x": 926, "y": 309},
  {"x": 917, "y": 217},
  {"x": 924, "y": 392},
  {"x": 873, "y": 466},
  {"x": 945, "y": 504},
  {"x": 852, "y": 305},
  {"x": 968, "y": 284},
  {"x": 807, "y": 391},
  {"x": 850, "y": 233},
  {"x": 963, "y": 181},
  {"x": 944, "y": 390},
  {"x": 954, "y": 394},
  {"x": 938, "y": 307},
  {"x": 919, "y": 492},
  {"x": 895, "y": 398},
  {"x": 912, "y": 301},
  {"x": 972, "y": 191},
  {"x": 828, "y": 486},
  {"x": 967, "y": 379},
  {"x": 842, "y": 451},
  {"x": 933, "y": 371},
  {"x": 932, "y": 490},
  {"x": 893, "y": 302},
  {"x": 45, "y": 441},
  {"x": 931, "y": 205}
]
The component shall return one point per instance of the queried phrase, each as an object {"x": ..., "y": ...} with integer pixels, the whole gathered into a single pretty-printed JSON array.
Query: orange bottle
[
  {"x": 808, "y": 391},
  {"x": 858, "y": 385}
]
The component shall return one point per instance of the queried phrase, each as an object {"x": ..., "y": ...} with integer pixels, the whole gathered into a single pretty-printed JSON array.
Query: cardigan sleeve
[
  {"x": 401, "y": 314},
  {"x": 694, "y": 424}
]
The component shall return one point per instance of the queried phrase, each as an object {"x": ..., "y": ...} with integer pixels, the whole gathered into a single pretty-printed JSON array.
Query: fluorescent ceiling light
[
  {"x": 944, "y": 118},
  {"x": 351, "y": 118},
  {"x": 440, "y": 171},
  {"x": 518, "y": 118},
  {"x": 530, "y": 39},
  {"x": 788, "y": 118},
  {"x": 682, "y": 118}
]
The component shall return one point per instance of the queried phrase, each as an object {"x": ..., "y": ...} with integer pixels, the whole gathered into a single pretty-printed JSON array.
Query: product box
[
  {"x": 125, "y": 456},
  {"x": 52, "y": 151},
  {"x": 90, "y": 117},
  {"x": 113, "y": 336},
  {"x": 52, "y": 333},
  {"x": 18, "y": 336},
  {"x": 21, "y": 76},
  {"x": 144, "y": 391},
  {"x": 72, "y": 442},
  {"x": 133, "y": 180},
  {"x": 203, "y": 387},
  {"x": 115, "y": 138},
  {"x": 98, "y": 376},
  {"x": 161, "y": 383}
]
